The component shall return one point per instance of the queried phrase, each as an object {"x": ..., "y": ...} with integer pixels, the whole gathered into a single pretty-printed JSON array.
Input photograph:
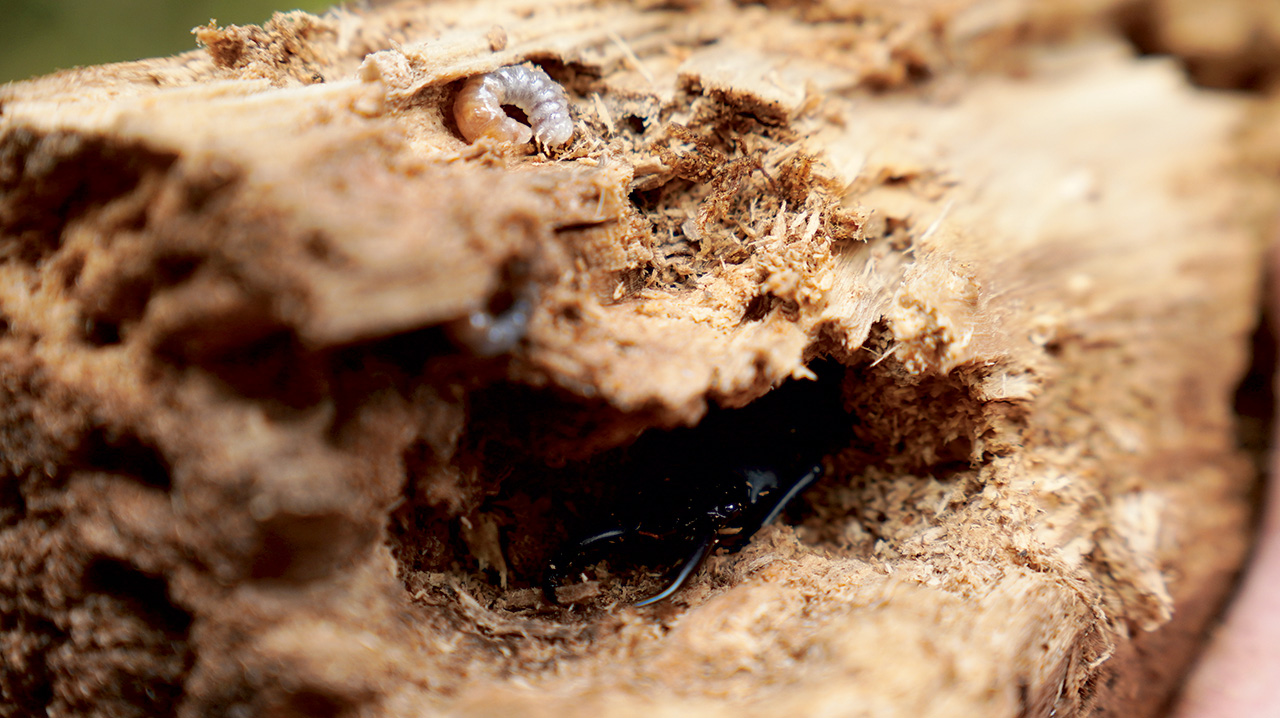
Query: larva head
[{"x": 555, "y": 131}]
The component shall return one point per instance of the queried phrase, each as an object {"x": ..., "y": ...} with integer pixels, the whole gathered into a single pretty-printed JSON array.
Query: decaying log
[{"x": 253, "y": 463}]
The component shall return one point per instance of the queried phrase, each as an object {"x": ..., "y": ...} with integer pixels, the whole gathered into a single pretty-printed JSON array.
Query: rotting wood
[{"x": 240, "y": 452}]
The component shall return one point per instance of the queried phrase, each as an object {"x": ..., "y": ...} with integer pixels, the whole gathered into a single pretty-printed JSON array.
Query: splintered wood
[{"x": 256, "y": 458}]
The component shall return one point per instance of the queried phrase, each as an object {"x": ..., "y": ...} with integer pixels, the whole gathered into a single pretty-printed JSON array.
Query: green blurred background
[{"x": 40, "y": 36}]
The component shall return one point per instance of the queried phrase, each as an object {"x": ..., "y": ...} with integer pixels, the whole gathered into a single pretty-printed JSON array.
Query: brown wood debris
[{"x": 253, "y": 463}]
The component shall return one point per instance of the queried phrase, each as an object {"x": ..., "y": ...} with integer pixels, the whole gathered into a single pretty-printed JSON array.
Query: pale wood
[{"x": 1069, "y": 251}]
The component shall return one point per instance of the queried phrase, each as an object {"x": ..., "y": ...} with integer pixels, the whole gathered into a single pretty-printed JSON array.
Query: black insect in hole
[{"x": 687, "y": 492}]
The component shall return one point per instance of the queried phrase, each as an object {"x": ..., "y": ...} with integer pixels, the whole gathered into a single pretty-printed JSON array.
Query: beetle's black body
[{"x": 689, "y": 491}]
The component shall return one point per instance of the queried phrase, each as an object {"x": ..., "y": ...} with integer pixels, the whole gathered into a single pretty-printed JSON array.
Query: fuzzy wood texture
[{"x": 252, "y": 464}]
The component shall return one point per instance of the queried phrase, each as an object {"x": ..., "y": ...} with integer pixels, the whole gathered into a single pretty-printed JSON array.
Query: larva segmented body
[{"x": 478, "y": 109}]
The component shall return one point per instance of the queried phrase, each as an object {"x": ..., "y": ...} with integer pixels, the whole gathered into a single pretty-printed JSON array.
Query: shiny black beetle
[{"x": 689, "y": 491}]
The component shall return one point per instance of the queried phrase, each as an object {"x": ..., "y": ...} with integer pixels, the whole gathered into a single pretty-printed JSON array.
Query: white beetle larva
[
  {"x": 489, "y": 335},
  {"x": 478, "y": 109}
]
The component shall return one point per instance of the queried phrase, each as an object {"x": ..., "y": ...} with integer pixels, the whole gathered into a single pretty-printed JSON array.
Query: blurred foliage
[{"x": 40, "y": 36}]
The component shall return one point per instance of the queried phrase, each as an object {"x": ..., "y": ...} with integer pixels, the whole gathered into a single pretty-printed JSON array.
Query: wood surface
[{"x": 252, "y": 467}]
